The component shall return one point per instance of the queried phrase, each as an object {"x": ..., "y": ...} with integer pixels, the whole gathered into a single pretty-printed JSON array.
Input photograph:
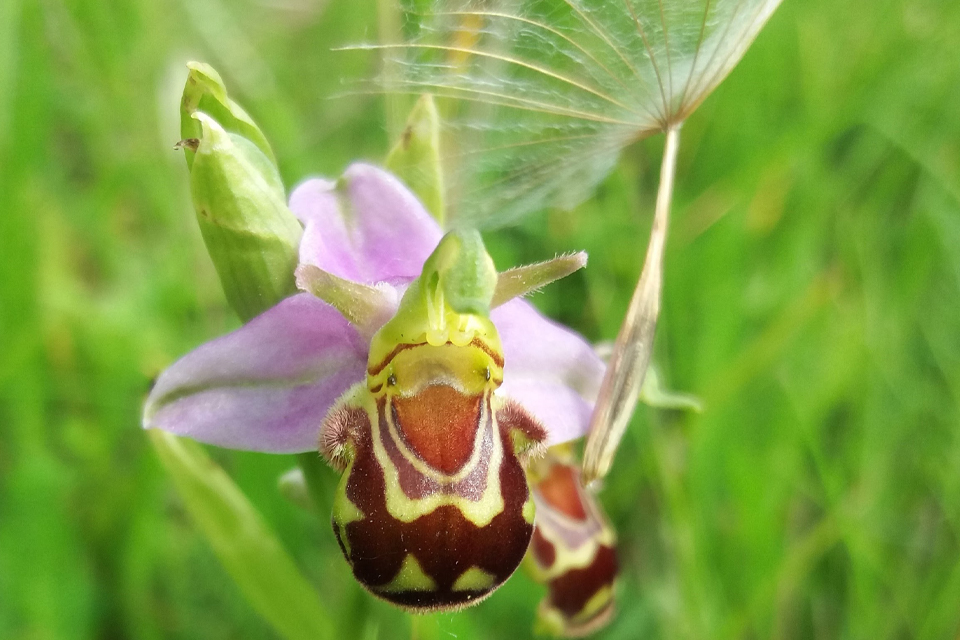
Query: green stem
[{"x": 319, "y": 481}]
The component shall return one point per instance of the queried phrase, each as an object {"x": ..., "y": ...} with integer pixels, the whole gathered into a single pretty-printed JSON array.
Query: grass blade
[{"x": 249, "y": 551}]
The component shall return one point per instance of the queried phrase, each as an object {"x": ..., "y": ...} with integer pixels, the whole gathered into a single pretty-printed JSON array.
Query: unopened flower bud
[
  {"x": 251, "y": 235},
  {"x": 573, "y": 551},
  {"x": 205, "y": 92}
]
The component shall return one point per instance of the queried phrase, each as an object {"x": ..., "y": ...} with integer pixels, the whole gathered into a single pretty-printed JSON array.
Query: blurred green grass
[{"x": 812, "y": 298}]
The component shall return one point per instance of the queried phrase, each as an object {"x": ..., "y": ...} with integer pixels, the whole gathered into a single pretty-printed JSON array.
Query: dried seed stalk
[{"x": 631, "y": 354}]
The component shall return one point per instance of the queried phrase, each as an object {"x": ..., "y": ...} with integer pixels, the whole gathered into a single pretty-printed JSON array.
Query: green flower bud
[
  {"x": 415, "y": 158},
  {"x": 205, "y": 92},
  {"x": 251, "y": 235}
]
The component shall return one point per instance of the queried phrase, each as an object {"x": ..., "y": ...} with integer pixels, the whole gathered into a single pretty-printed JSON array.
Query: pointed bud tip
[
  {"x": 213, "y": 137},
  {"x": 207, "y": 122},
  {"x": 201, "y": 72}
]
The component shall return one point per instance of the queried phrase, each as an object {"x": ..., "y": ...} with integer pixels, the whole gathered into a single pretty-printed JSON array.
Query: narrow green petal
[
  {"x": 364, "y": 306},
  {"x": 520, "y": 281}
]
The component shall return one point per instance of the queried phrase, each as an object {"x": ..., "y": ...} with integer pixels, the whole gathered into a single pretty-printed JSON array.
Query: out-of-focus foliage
[
  {"x": 248, "y": 550},
  {"x": 810, "y": 299}
]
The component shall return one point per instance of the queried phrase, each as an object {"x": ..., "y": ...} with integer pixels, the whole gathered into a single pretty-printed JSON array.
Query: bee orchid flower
[
  {"x": 412, "y": 366},
  {"x": 573, "y": 551}
]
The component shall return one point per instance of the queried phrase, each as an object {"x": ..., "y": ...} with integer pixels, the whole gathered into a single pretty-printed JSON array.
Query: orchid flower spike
[
  {"x": 416, "y": 370},
  {"x": 573, "y": 551}
]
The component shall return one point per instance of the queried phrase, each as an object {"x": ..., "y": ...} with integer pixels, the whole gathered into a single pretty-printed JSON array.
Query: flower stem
[
  {"x": 631, "y": 354},
  {"x": 320, "y": 481}
]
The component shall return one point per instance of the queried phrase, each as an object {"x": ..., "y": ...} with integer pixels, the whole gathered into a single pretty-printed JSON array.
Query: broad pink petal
[
  {"x": 549, "y": 369},
  {"x": 367, "y": 227},
  {"x": 266, "y": 386}
]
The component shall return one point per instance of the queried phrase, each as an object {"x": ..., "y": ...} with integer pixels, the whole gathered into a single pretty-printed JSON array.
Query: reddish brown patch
[
  {"x": 439, "y": 424},
  {"x": 571, "y": 591},
  {"x": 416, "y": 485},
  {"x": 561, "y": 490},
  {"x": 444, "y": 543},
  {"x": 543, "y": 550}
]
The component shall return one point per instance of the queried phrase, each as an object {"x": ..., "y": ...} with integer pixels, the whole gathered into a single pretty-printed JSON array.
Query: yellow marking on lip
[
  {"x": 594, "y": 614},
  {"x": 529, "y": 510},
  {"x": 410, "y": 577},
  {"x": 595, "y": 604},
  {"x": 568, "y": 558},
  {"x": 474, "y": 579},
  {"x": 344, "y": 540},
  {"x": 463, "y": 369},
  {"x": 344, "y": 510}
]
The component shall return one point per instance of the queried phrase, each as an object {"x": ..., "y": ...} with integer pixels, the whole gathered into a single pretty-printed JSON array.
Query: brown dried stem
[{"x": 631, "y": 354}]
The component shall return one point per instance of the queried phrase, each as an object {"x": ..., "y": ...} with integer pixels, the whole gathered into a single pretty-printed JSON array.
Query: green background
[{"x": 812, "y": 300}]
